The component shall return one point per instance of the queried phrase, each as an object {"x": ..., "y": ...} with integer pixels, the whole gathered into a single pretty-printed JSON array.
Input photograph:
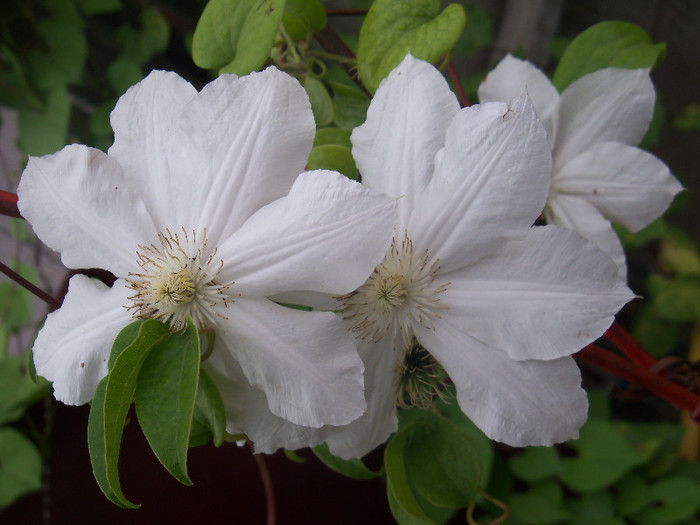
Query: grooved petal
[
  {"x": 304, "y": 362},
  {"x": 520, "y": 403},
  {"x": 513, "y": 77},
  {"x": 73, "y": 347},
  {"x": 405, "y": 127},
  {"x": 606, "y": 105},
  {"x": 491, "y": 183},
  {"x": 543, "y": 297},
  {"x": 256, "y": 133},
  {"x": 628, "y": 185},
  {"x": 327, "y": 236},
  {"x": 576, "y": 214},
  {"x": 80, "y": 204}
]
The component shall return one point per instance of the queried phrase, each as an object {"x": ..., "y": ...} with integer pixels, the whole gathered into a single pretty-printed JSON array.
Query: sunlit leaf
[
  {"x": 335, "y": 136},
  {"x": 333, "y": 157}
]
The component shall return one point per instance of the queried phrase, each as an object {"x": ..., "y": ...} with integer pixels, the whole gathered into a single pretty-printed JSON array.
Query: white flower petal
[
  {"x": 80, "y": 204},
  {"x": 576, "y": 214},
  {"x": 73, "y": 347},
  {"x": 511, "y": 78},
  {"x": 160, "y": 159},
  {"x": 256, "y": 132},
  {"x": 520, "y": 403},
  {"x": 543, "y": 297},
  {"x": 405, "y": 127},
  {"x": 326, "y": 236},
  {"x": 606, "y": 105},
  {"x": 305, "y": 362},
  {"x": 628, "y": 185},
  {"x": 491, "y": 183}
]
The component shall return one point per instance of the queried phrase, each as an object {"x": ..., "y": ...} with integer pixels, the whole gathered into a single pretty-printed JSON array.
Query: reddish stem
[
  {"x": 347, "y": 12},
  {"x": 41, "y": 294},
  {"x": 629, "y": 346},
  {"x": 8, "y": 204},
  {"x": 634, "y": 373},
  {"x": 463, "y": 98},
  {"x": 267, "y": 484}
]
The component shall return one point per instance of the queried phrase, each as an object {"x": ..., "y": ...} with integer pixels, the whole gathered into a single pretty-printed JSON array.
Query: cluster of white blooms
[{"x": 428, "y": 273}]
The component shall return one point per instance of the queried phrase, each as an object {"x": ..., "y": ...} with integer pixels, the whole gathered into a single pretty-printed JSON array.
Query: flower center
[
  {"x": 397, "y": 297},
  {"x": 178, "y": 280},
  {"x": 419, "y": 378}
]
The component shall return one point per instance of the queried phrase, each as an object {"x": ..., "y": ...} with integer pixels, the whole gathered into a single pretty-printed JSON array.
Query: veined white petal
[
  {"x": 520, "y": 403},
  {"x": 576, "y": 214},
  {"x": 327, "y": 236},
  {"x": 80, "y": 204},
  {"x": 513, "y": 77},
  {"x": 491, "y": 183},
  {"x": 543, "y": 297},
  {"x": 606, "y": 105},
  {"x": 256, "y": 132},
  {"x": 73, "y": 347},
  {"x": 161, "y": 161},
  {"x": 405, "y": 127},
  {"x": 305, "y": 362},
  {"x": 628, "y": 185}
]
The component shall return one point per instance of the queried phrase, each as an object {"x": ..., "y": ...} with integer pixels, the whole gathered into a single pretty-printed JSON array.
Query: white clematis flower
[
  {"x": 598, "y": 175},
  {"x": 467, "y": 285},
  {"x": 199, "y": 210}
]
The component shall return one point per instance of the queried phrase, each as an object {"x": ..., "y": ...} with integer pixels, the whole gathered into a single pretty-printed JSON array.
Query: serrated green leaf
[
  {"x": 20, "y": 466},
  {"x": 542, "y": 504},
  {"x": 607, "y": 44},
  {"x": 352, "y": 468},
  {"x": 303, "y": 18},
  {"x": 394, "y": 28},
  {"x": 442, "y": 462},
  {"x": 321, "y": 102},
  {"x": 535, "y": 464},
  {"x": 210, "y": 406},
  {"x": 604, "y": 457},
  {"x": 44, "y": 131},
  {"x": 675, "y": 299},
  {"x": 165, "y": 398},
  {"x": 112, "y": 400},
  {"x": 333, "y": 157},
  {"x": 349, "y": 106},
  {"x": 236, "y": 35},
  {"x": 335, "y": 136}
]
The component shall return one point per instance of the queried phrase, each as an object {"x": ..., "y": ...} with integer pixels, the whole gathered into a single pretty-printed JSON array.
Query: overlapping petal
[
  {"x": 73, "y": 347},
  {"x": 327, "y": 235},
  {"x": 542, "y": 297},
  {"x": 513, "y": 77},
  {"x": 628, "y": 185},
  {"x": 415, "y": 99},
  {"x": 490, "y": 184},
  {"x": 80, "y": 203},
  {"x": 305, "y": 362},
  {"x": 606, "y": 105},
  {"x": 256, "y": 133},
  {"x": 520, "y": 403}
]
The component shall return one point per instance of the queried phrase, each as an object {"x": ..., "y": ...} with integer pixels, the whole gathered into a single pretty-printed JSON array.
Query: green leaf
[
  {"x": 336, "y": 136},
  {"x": 333, "y": 157},
  {"x": 442, "y": 462},
  {"x": 20, "y": 466},
  {"x": 349, "y": 106},
  {"x": 689, "y": 120},
  {"x": 402, "y": 501},
  {"x": 675, "y": 299},
  {"x": 541, "y": 504},
  {"x": 122, "y": 74},
  {"x": 677, "y": 499},
  {"x": 44, "y": 131},
  {"x": 15, "y": 301},
  {"x": 655, "y": 334},
  {"x": 303, "y": 18},
  {"x": 63, "y": 63},
  {"x": 680, "y": 255},
  {"x": 321, "y": 103},
  {"x": 535, "y": 464},
  {"x": 165, "y": 398},
  {"x": 237, "y": 34},
  {"x": 352, "y": 468},
  {"x": 604, "y": 457},
  {"x": 657, "y": 443},
  {"x": 596, "y": 508},
  {"x": 292, "y": 455},
  {"x": 17, "y": 390},
  {"x": 98, "y": 7},
  {"x": 210, "y": 406},
  {"x": 632, "y": 495},
  {"x": 394, "y": 28},
  {"x": 607, "y": 44},
  {"x": 112, "y": 400},
  {"x": 138, "y": 46},
  {"x": 477, "y": 34}
]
